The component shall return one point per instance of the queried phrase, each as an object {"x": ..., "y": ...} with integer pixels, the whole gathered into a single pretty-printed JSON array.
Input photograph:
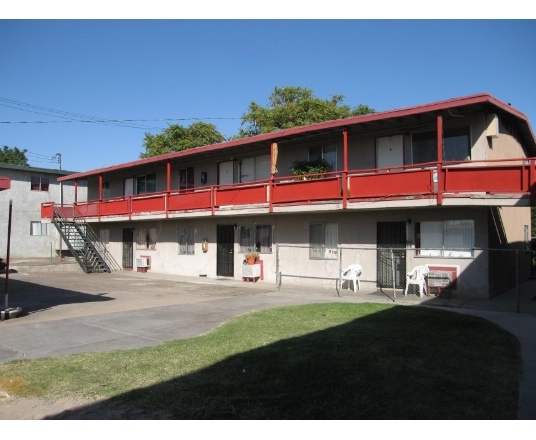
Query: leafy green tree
[
  {"x": 177, "y": 138},
  {"x": 13, "y": 156},
  {"x": 293, "y": 107}
]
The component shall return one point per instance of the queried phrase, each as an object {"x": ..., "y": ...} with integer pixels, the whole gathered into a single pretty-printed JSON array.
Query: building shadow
[
  {"x": 359, "y": 370},
  {"x": 34, "y": 298}
]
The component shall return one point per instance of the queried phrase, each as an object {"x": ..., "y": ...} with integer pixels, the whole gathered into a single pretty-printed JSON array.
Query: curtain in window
[
  {"x": 459, "y": 237},
  {"x": 104, "y": 236},
  {"x": 431, "y": 238},
  {"x": 246, "y": 239},
  {"x": 263, "y": 239},
  {"x": 323, "y": 239},
  {"x": 37, "y": 228},
  {"x": 330, "y": 156},
  {"x": 331, "y": 238},
  {"x": 141, "y": 239},
  {"x": 186, "y": 240},
  {"x": 35, "y": 183},
  {"x": 151, "y": 242}
]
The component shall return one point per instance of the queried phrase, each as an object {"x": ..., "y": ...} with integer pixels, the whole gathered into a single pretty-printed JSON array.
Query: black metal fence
[{"x": 494, "y": 279}]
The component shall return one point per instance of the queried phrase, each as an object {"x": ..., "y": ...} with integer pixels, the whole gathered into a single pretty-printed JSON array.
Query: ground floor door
[
  {"x": 224, "y": 251},
  {"x": 391, "y": 264},
  {"x": 128, "y": 248}
]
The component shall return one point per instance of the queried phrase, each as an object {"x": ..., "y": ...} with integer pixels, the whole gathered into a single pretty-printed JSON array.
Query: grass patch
[{"x": 318, "y": 361}]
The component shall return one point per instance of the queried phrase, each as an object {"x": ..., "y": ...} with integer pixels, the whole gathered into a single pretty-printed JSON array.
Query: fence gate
[{"x": 391, "y": 259}]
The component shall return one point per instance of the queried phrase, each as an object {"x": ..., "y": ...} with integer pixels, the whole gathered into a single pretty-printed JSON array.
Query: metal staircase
[{"x": 90, "y": 253}]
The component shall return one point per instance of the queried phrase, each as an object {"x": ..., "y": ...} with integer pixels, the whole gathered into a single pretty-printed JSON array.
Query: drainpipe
[{"x": 439, "y": 159}]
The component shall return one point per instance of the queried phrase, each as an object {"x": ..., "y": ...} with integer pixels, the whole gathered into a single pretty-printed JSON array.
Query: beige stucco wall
[{"x": 357, "y": 240}]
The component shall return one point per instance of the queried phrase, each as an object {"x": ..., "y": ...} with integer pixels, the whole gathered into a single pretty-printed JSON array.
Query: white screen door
[
  {"x": 389, "y": 151},
  {"x": 226, "y": 175},
  {"x": 129, "y": 186}
]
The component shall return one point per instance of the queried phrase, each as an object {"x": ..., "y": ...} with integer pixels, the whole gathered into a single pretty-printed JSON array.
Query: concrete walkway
[{"x": 70, "y": 312}]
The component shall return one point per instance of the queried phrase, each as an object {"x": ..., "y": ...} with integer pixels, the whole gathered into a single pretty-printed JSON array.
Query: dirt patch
[{"x": 13, "y": 408}]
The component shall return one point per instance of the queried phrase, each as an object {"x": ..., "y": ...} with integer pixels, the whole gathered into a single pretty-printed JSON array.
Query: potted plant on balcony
[
  {"x": 303, "y": 169},
  {"x": 251, "y": 257}
]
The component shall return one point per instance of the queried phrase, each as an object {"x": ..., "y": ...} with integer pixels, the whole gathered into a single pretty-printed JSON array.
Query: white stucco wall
[{"x": 26, "y": 208}]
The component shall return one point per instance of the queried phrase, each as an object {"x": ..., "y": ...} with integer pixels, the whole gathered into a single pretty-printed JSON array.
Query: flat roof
[
  {"x": 58, "y": 172},
  {"x": 482, "y": 99}
]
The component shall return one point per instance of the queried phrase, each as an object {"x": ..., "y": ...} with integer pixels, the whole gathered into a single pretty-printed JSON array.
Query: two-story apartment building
[
  {"x": 445, "y": 180},
  {"x": 28, "y": 188}
]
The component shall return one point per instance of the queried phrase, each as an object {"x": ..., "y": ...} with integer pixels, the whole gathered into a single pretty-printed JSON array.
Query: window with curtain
[
  {"x": 255, "y": 238},
  {"x": 186, "y": 178},
  {"x": 450, "y": 238},
  {"x": 186, "y": 240},
  {"x": 146, "y": 184},
  {"x": 323, "y": 241},
  {"x": 104, "y": 236},
  {"x": 38, "y": 228},
  {"x": 327, "y": 153},
  {"x": 105, "y": 190},
  {"x": 146, "y": 239},
  {"x": 456, "y": 145},
  {"x": 39, "y": 183}
]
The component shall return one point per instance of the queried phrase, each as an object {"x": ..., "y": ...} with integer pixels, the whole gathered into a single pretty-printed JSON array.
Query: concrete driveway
[{"x": 71, "y": 312}]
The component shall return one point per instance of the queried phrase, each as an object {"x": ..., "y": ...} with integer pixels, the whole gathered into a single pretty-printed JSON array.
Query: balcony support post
[
  {"x": 212, "y": 199},
  {"x": 100, "y": 197},
  {"x": 345, "y": 170},
  {"x": 440, "y": 188},
  {"x": 273, "y": 170},
  {"x": 532, "y": 181},
  {"x": 168, "y": 186}
]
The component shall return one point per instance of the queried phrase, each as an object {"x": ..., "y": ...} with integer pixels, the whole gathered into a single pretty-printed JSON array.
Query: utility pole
[{"x": 57, "y": 157}]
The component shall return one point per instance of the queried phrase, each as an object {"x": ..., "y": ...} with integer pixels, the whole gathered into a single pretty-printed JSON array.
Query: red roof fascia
[
  {"x": 328, "y": 125},
  {"x": 5, "y": 183}
]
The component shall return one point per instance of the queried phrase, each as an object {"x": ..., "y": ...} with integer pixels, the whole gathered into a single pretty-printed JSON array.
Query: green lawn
[{"x": 319, "y": 361}]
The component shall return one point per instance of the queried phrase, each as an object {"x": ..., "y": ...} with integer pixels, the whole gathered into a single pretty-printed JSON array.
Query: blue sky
[{"x": 183, "y": 70}]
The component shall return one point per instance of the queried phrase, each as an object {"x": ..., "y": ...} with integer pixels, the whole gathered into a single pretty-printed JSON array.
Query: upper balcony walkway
[{"x": 495, "y": 183}]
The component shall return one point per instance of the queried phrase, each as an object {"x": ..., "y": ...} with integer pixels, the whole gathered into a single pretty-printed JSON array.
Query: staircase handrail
[
  {"x": 99, "y": 246},
  {"x": 92, "y": 239}
]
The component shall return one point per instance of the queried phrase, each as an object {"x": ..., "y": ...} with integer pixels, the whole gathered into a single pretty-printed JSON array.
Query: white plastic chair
[
  {"x": 417, "y": 277},
  {"x": 352, "y": 273}
]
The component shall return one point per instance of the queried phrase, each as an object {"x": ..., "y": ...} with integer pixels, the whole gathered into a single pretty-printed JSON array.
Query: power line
[
  {"x": 68, "y": 118},
  {"x": 116, "y": 120},
  {"x": 31, "y": 108}
]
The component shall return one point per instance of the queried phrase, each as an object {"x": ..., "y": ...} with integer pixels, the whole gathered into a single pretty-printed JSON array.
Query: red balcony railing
[{"x": 422, "y": 181}]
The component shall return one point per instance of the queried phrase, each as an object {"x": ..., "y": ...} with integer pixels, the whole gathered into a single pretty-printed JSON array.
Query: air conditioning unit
[{"x": 142, "y": 262}]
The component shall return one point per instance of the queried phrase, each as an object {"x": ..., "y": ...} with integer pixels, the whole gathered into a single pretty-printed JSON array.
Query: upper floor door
[
  {"x": 389, "y": 151},
  {"x": 255, "y": 168},
  {"x": 226, "y": 172},
  {"x": 128, "y": 186}
]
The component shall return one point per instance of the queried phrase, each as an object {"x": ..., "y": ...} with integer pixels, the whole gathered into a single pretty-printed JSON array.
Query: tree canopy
[
  {"x": 177, "y": 138},
  {"x": 288, "y": 107},
  {"x": 293, "y": 107},
  {"x": 13, "y": 156}
]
